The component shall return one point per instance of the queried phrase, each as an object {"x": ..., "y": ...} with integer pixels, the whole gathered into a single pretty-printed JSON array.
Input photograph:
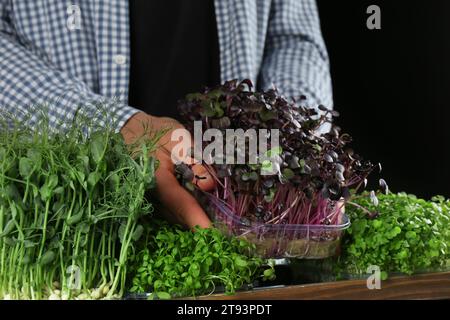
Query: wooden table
[{"x": 424, "y": 286}]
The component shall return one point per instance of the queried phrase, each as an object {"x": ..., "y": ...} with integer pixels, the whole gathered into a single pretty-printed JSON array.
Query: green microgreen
[
  {"x": 406, "y": 235},
  {"x": 176, "y": 263}
]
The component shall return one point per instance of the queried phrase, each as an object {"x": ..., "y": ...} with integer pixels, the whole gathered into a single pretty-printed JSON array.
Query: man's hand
[{"x": 181, "y": 206}]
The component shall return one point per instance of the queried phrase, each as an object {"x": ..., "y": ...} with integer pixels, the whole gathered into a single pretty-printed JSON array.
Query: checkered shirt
[{"x": 72, "y": 55}]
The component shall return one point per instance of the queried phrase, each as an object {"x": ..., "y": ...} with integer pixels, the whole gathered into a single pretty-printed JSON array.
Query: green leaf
[
  {"x": 137, "y": 234},
  {"x": 75, "y": 218},
  {"x": 274, "y": 152},
  {"x": 45, "y": 192},
  {"x": 59, "y": 190},
  {"x": 157, "y": 284},
  {"x": 269, "y": 273},
  {"x": 213, "y": 94},
  {"x": 194, "y": 270},
  {"x": 83, "y": 227},
  {"x": 122, "y": 229},
  {"x": 13, "y": 211},
  {"x": 10, "y": 241},
  {"x": 302, "y": 163},
  {"x": 288, "y": 174},
  {"x": 97, "y": 146},
  {"x": 240, "y": 262},
  {"x": 12, "y": 192},
  {"x": 134, "y": 289},
  {"x": 266, "y": 166},
  {"x": 397, "y": 230},
  {"x": 26, "y": 167},
  {"x": 377, "y": 224},
  {"x": 80, "y": 176},
  {"x": 83, "y": 162},
  {"x": 163, "y": 295},
  {"x": 402, "y": 255},
  {"x": 9, "y": 227},
  {"x": 269, "y": 197},
  {"x": 29, "y": 244},
  {"x": 411, "y": 235},
  {"x": 218, "y": 110},
  {"x": 35, "y": 156},
  {"x": 114, "y": 181},
  {"x": 53, "y": 181},
  {"x": 93, "y": 179},
  {"x": 47, "y": 258},
  {"x": 250, "y": 176},
  {"x": 208, "y": 109}
]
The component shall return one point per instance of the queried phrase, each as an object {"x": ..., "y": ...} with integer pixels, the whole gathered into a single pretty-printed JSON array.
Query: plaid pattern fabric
[{"x": 45, "y": 62}]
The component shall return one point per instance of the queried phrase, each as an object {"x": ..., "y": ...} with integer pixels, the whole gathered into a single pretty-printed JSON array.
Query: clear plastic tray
[{"x": 280, "y": 240}]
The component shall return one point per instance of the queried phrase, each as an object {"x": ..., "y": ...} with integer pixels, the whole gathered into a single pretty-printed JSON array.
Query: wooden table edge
[{"x": 421, "y": 286}]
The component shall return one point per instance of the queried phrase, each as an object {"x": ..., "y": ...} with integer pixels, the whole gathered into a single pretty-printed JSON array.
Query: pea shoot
[{"x": 70, "y": 204}]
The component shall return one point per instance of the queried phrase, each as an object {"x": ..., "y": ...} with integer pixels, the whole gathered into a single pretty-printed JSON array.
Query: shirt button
[{"x": 120, "y": 59}]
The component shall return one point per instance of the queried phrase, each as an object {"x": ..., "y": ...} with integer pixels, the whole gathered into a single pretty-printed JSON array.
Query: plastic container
[{"x": 280, "y": 240}]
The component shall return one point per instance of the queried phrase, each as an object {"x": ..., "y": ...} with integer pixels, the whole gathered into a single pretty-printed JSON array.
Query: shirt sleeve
[
  {"x": 30, "y": 86},
  {"x": 296, "y": 60}
]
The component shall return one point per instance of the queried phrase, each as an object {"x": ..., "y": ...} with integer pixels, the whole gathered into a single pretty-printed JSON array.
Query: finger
[
  {"x": 179, "y": 201},
  {"x": 202, "y": 177},
  {"x": 206, "y": 181}
]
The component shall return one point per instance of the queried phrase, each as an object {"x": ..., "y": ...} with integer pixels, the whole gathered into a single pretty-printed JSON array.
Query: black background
[
  {"x": 281, "y": 309},
  {"x": 392, "y": 87}
]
